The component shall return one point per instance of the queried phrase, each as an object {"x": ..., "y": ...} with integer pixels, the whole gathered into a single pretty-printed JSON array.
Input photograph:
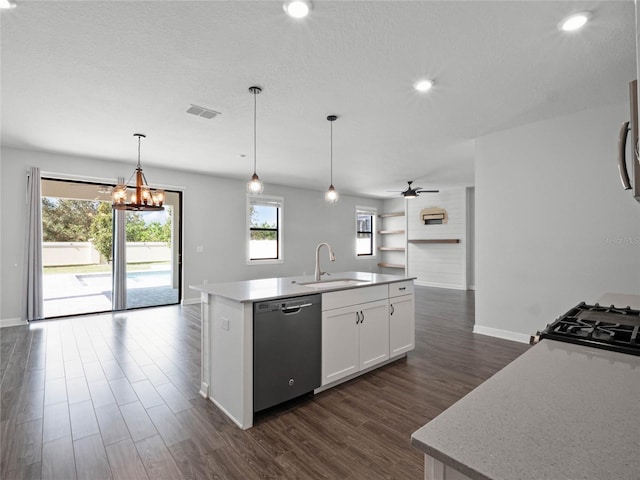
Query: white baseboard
[
  {"x": 204, "y": 390},
  {"x": 12, "y": 322},
  {"x": 231, "y": 417},
  {"x": 190, "y": 301},
  {"x": 439, "y": 285},
  {"x": 498, "y": 333}
]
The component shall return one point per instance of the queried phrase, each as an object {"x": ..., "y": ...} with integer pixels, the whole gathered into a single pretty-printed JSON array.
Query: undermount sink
[{"x": 338, "y": 282}]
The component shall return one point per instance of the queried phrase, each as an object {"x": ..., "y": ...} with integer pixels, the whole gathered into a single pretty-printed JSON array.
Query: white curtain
[
  {"x": 119, "y": 256},
  {"x": 33, "y": 251}
]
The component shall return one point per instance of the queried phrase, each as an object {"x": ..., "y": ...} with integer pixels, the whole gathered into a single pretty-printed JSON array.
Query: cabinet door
[
  {"x": 374, "y": 333},
  {"x": 339, "y": 343},
  {"x": 402, "y": 325}
]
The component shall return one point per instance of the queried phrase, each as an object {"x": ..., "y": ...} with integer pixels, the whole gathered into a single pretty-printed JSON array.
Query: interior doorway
[{"x": 77, "y": 250}]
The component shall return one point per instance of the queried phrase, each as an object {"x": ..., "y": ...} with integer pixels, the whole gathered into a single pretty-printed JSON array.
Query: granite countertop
[
  {"x": 272, "y": 288},
  {"x": 559, "y": 411}
]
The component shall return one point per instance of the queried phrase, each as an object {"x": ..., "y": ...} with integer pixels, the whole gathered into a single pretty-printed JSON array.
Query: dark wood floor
[{"x": 115, "y": 396}]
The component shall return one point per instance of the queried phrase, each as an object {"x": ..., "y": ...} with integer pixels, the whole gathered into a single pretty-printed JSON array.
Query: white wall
[
  {"x": 214, "y": 218},
  {"x": 439, "y": 264},
  {"x": 553, "y": 225}
]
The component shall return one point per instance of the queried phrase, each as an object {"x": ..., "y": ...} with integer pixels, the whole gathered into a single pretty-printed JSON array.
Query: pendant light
[
  {"x": 331, "y": 195},
  {"x": 143, "y": 198},
  {"x": 254, "y": 185}
]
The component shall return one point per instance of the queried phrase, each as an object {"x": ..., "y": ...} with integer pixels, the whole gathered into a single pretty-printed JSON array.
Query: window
[
  {"x": 365, "y": 227},
  {"x": 264, "y": 218}
]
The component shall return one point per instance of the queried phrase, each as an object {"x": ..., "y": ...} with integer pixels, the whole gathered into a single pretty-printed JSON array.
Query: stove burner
[{"x": 604, "y": 327}]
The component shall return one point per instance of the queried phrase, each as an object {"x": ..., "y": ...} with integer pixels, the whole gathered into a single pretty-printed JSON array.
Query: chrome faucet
[{"x": 332, "y": 258}]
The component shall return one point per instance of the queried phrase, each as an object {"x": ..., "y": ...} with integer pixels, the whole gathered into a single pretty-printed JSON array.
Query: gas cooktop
[{"x": 598, "y": 326}]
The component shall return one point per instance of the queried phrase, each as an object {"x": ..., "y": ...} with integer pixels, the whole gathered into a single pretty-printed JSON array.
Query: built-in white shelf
[
  {"x": 435, "y": 240},
  {"x": 393, "y": 248},
  {"x": 391, "y": 265},
  {"x": 391, "y": 214}
]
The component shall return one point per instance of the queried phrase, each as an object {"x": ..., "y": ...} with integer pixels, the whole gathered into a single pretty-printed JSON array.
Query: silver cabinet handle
[
  {"x": 402, "y": 288},
  {"x": 357, "y": 318},
  {"x": 361, "y": 317},
  {"x": 392, "y": 310},
  {"x": 622, "y": 147}
]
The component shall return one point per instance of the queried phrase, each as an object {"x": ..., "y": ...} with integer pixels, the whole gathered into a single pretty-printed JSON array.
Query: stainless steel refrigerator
[{"x": 629, "y": 166}]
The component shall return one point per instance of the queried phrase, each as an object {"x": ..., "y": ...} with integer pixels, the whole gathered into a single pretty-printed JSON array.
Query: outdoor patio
[{"x": 77, "y": 293}]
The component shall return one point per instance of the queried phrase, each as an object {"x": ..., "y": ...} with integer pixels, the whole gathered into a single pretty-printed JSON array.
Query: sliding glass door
[
  {"x": 78, "y": 254},
  {"x": 152, "y": 262}
]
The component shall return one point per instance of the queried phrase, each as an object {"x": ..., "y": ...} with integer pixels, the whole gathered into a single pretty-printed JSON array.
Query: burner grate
[{"x": 595, "y": 325}]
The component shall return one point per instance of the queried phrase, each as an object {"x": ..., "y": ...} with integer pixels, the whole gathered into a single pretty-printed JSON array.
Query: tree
[
  {"x": 102, "y": 230},
  {"x": 67, "y": 220},
  {"x": 254, "y": 217},
  {"x": 135, "y": 229}
]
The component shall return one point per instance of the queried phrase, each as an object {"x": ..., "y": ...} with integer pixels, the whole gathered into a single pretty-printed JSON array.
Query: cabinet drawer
[
  {"x": 401, "y": 288},
  {"x": 353, "y": 296}
]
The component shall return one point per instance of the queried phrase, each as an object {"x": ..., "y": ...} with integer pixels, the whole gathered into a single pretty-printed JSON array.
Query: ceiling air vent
[{"x": 202, "y": 112}]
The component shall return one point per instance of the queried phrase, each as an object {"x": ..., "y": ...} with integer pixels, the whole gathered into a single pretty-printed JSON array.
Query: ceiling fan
[{"x": 413, "y": 192}]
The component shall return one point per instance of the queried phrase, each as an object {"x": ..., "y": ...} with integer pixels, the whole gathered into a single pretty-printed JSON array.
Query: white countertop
[
  {"x": 272, "y": 288},
  {"x": 559, "y": 411}
]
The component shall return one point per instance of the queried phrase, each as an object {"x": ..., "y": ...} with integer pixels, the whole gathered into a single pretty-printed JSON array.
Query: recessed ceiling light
[
  {"x": 423, "y": 85},
  {"x": 574, "y": 22},
  {"x": 297, "y": 8},
  {"x": 7, "y": 4}
]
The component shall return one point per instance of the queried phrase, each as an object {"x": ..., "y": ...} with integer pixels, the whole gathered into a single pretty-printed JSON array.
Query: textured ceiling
[{"x": 80, "y": 77}]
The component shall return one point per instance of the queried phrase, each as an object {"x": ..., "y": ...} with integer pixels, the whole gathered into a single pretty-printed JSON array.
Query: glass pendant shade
[
  {"x": 254, "y": 185},
  {"x": 331, "y": 195}
]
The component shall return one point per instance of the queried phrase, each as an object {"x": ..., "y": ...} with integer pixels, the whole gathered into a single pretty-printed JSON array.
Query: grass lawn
[{"x": 101, "y": 268}]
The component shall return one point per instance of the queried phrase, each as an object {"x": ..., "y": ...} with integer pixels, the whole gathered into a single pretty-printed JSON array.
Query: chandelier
[{"x": 143, "y": 198}]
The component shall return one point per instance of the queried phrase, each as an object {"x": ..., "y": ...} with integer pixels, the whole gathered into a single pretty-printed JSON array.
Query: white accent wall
[
  {"x": 553, "y": 225},
  {"x": 213, "y": 217},
  {"x": 439, "y": 264}
]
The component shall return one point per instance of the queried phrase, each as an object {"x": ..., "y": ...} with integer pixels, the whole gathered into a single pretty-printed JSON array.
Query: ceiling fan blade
[{"x": 427, "y": 191}]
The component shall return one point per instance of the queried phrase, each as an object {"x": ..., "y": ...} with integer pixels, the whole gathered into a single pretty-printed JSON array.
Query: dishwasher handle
[{"x": 292, "y": 310}]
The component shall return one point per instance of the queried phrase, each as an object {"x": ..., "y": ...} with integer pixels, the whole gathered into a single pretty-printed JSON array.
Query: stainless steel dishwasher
[{"x": 287, "y": 340}]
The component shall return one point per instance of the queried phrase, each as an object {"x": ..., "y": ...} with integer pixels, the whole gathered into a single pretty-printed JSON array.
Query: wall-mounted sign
[{"x": 434, "y": 216}]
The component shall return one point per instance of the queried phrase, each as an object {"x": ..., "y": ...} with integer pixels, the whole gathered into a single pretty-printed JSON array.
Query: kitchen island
[
  {"x": 349, "y": 348},
  {"x": 559, "y": 411}
]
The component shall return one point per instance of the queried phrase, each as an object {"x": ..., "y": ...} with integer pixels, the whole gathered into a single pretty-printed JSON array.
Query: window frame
[
  {"x": 373, "y": 213},
  {"x": 267, "y": 201}
]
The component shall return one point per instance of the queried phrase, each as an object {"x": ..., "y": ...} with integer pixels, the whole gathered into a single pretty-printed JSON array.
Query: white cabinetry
[
  {"x": 364, "y": 327},
  {"x": 374, "y": 334},
  {"x": 401, "y": 318},
  {"x": 355, "y": 331},
  {"x": 340, "y": 339}
]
